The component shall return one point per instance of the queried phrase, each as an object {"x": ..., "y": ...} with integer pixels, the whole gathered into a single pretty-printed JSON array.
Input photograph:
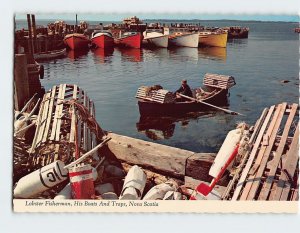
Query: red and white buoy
[{"x": 81, "y": 179}]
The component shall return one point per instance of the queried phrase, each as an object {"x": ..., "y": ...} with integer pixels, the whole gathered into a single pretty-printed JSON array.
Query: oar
[{"x": 202, "y": 102}]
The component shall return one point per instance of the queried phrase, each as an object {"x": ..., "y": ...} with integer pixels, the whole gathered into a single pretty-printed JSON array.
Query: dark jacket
[{"x": 185, "y": 91}]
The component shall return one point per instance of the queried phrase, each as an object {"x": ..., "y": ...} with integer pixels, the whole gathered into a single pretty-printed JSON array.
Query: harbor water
[{"x": 258, "y": 64}]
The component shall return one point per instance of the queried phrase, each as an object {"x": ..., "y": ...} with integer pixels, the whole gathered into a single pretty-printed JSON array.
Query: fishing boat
[
  {"x": 76, "y": 41},
  {"x": 235, "y": 32},
  {"x": 156, "y": 39},
  {"x": 184, "y": 39},
  {"x": 53, "y": 54},
  {"x": 214, "y": 39},
  {"x": 154, "y": 101},
  {"x": 102, "y": 39},
  {"x": 129, "y": 39}
]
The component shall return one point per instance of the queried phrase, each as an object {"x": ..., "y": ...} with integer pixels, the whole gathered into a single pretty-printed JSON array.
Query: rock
[
  {"x": 284, "y": 81},
  {"x": 114, "y": 171}
]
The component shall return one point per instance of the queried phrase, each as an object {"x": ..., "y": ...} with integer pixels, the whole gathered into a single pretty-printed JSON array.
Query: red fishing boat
[
  {"x": 102, "y": 39},
  {"x": 130, "y": 39},
  {"x": 76, "y": 41}
]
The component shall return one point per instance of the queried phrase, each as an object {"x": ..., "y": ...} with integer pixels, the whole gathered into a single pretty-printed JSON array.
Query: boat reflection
[
  {"x": 75, "y": 54},
  {"x": 212, "y": 53},
  {"x": 157, "y": 128},
  {"x": 131, "y": 54},
  {"x": 184, "y": 53},
  {"x": 103, "y": 55},
  {"x": 157, "y": 53}
]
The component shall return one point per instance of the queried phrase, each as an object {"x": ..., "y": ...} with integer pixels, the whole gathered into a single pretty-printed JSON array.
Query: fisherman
[{"x": 184, "y": 90}]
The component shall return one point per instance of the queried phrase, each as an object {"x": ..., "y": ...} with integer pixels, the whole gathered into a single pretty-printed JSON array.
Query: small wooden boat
[
  {"x": 76, "y": 41},
  {"x": 129, "y": 39},
  {"x": 102, "y": 39},
  {"x": 184, "y": 39},
  {"x": 50, "y": 55},
  {"x": 162, "y": 102},
  {"x": 237, "y": 32},
  {"x": 156, "y": 39},
  {"x": 214, "y": 39}
]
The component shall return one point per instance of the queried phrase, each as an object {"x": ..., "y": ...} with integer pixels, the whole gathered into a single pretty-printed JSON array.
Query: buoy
[
  {"x": 81, "y": 179},
  {"x": 158, "y": 192},
  {"x": 213, "y": 195},
  {"x": 106, "y": 191},
  {"x": 65, "y": 193},
  {"x": 228, "y": 146},
  {"x": 134, "y": 184},
  {"x": 172, "y": 195},
  {"x": 41, "y": 180}
]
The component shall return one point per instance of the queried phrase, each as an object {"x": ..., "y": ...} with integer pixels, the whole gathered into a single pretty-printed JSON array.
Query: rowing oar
[{"x": 202, "y": 102}]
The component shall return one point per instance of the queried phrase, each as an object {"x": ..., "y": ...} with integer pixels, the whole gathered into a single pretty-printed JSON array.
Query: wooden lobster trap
[
  {"x": 65, "y": 128},
  {"x": 218, "y": 81}
]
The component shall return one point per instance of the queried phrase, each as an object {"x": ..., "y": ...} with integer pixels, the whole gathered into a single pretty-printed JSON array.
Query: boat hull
[
  {"x": 76, "y": 42},
  {"x": 131, "y": 41},
  {"x": 213, "y": 39},
  {"x": 160, "y": 41},
  {"x": 185, "y": 40},
  {"x": 50, "y": 55},
  {"x": 103, "y": 41},
  {"x": 149, "y": 108}
]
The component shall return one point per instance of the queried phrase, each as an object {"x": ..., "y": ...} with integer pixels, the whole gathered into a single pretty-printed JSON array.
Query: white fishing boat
[
  {"x": 156, "y": 39},
  {"x": 184, "y": 39}
]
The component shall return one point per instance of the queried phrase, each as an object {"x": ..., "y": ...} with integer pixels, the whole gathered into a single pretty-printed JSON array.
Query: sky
[{"x": 179, "y": 16}]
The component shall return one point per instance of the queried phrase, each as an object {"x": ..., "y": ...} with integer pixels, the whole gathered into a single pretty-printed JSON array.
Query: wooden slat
[
  {"x": 257, "y": 178},
  {"x": 275, "y": 162},
  {"x": 84, "y": 125},
  {"x": 79, "y": 121},
  {"x": 60, "y": 114},
  {"x": 252, "y": 155},
  {"x": 88, "y": 138},
  {"x": 44, "y": 118},
  {"x": 54, "y": 124},
  {"x": 73, "y": 120},
  {"x": 283, "y": 186},
  {"x": 49, "y": 117}
]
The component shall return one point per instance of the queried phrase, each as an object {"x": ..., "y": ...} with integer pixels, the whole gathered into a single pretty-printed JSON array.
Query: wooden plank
[
  {"x": 79, "y": 122},
  {"x": 84, "y": 124},
  {"x": 252, "y": 155},
  {"x": 60, "y": 114},
  {"x": 73, "y": 119},
  {"x": 49, "y": 118},
  {"x": 54, "y": 124},
  {"x": 283, "y": 186},
  {"x": 89, "y": 144},
  {"x": 275, "y": 162},
  {"x": 275, "y": 126}
]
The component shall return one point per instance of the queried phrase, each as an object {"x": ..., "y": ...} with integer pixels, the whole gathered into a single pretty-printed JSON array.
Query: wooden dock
[{"x": 269, "y": 171}]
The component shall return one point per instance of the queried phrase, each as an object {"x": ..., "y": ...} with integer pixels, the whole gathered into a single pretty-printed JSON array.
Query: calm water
[{"x": 259, "y": 63}]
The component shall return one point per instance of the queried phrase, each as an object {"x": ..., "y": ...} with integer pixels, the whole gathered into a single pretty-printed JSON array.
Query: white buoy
[
  {"x": 228, "y": 146},
  {"x": 172, "y": 195},
  {"x": 134, "y": 184},
  {"x": 65, "y": 193},
  {"x": 41, "y": 180},
  {"x": 158, "y": 192}
]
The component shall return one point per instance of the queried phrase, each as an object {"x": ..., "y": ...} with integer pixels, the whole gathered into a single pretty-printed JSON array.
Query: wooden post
[
  {"x": 34, "y": 33},
  {"x": 76, "y": 20},
  {"x": 30, "y": 50},
  {"x": 21, "y": 86}
]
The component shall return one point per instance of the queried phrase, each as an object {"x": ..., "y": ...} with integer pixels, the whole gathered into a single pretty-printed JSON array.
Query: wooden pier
[{"x": 269, "y": 171}]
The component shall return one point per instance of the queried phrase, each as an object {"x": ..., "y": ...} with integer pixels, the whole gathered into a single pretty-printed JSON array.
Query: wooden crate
[
  {"x": 57, "y": 123},
  {"x": 218, "y": 81},
  {"x": 159, "y": 96},
  {"x": 270, "y": 171}
]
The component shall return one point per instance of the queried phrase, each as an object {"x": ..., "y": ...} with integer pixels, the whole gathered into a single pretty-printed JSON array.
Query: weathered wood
[
  {"x": 60, "y": 113},
  {"x": 252, "y": 156},
  {"x": 43, "y": 122},
  {"x": 73, "y": 119},
  {"x": 275, "y": 162},
  {"x": 267, "y": 152},
  {"x": 57, "y": 107},
  {"x": 166, "y": 159},
  {"x": 289, "y": 167},
  {"x": 50, "y": 113}
]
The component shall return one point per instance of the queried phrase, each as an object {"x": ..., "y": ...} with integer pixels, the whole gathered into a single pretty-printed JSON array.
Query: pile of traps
[{"x": 156, "y": 94}]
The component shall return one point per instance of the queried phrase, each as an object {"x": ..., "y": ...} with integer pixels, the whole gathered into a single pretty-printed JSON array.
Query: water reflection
[
  {"x": 157, "y": 128},
  {"x": 213, "y": 53},
  {"x": 103, "y": 55},
  {"x": 75, "y": 54},
  {"x": 158, "y": 53},
  {"x": 184, "y": 53},
  {"x": 131, "y": 54}
]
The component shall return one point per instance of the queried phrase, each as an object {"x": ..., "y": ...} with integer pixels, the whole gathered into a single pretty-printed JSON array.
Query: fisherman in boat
[{"x": 184, "y": 90}]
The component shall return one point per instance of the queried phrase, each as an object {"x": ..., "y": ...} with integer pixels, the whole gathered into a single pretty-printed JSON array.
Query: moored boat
[
  {"x": 237, "y": 32},
  {"x": 102, "y": 39},
  {"x": 53, "y": 54},
  {"x": 153, "y": 102},
  {"x": 156, "y": 39},
  {"x": 214, "y": 39},
  {"x": 129, "y": 39},
  {"x": 76, "y": 41},
  {"x": 184, "y": 39}
]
